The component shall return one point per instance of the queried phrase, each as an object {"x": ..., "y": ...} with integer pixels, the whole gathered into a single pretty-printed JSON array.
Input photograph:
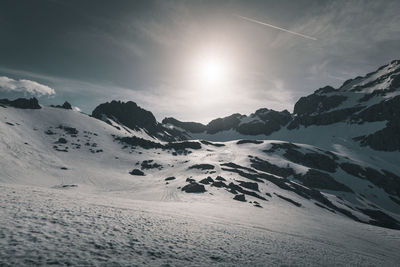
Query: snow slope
[{"x": 78, "y": 196}]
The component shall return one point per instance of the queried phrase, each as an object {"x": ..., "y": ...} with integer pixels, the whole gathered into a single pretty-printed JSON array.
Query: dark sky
[{"x": 152, "y": 52}]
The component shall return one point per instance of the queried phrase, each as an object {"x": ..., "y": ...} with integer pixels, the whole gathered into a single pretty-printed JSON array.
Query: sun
[{"x": 212, "y": 69}]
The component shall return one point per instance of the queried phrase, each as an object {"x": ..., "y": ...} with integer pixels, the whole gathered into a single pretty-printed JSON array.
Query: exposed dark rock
[
  {"x": 312, "y": 160},
  {"x": 68, "y": 130},
  {"x": 326, "y": 118},
  {"x": 386, "y": 180},
  {"x": 207, "y": 180},
  {"x": 129, "y": 114},
  {"x": 69, "y": 185},
  {"x": 150, "y": 164},
  {"x": 223, "y": 124},
  {"x": 321, "y": 180},
  {"x": 192, "y": 127},
  {"x": 240, "y": 142},
  {"x": 60, "y": 149},
  {"x": 277, "y": 146},
  {"x": 265, "y": 166},
  {"x": 9, "y": 123},
  {"x": 219, "y": 184},
  {"x": 134, "y": 117},
  {"x": 397, "y": 201},
  {"x": 286, "y": 184},
  {"x": 220, "y": 178},
  {"x": 236, "y": 188},
  {"x": 212, "y": 144},
  {"x": 324, "y": 207},
  {"x": 190, "y": 180},
  {"x": 249, "y": 185},
  {"x": 137, "y": 172},
  {"x": 240, "y": 197},
  {"x": 380, "y": 218},
  {"x": 203, "y": 166},
  {"x": 147, "y": 144},
  {"x": 194, "y": 188},
  {"x": 62, "y": 140},
  {"x": 388, "y": 138},
  {"x": 289, "y": 200},
  {"x": 170, "y": 178},
  {"x": 251, "y": 176},
  {"x": 22, "y": 103},
  {"x": 236, "y": 166},
  {"x": 265, "y": 122},
  {"x": 49, "y": 132},
  {"x": 271, "y": 121},
  {"x": 317, "y": 103},
  {"x": 183, "y": 145},
  {"x": 66, "y": 105}
]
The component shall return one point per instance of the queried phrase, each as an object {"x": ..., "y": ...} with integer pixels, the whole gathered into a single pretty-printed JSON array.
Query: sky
[{"x": 192, "y": 60}]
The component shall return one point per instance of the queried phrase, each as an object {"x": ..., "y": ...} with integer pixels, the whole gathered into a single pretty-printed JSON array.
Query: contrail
[{"x": 276, "y": 27}]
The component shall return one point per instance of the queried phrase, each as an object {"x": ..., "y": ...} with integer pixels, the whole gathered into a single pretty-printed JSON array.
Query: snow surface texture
[
  {"x": 42, "y": 226},
  {"x": 67, "y": 197}
]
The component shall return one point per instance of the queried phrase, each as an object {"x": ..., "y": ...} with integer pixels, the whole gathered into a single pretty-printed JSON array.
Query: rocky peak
[
  {"x": 66, "y": 105},
  {"x": 193, "y": 127},
  {"x": 126, "y": 113},
  {"x": 23, "y": 103},
  {"x": 386, "y": 77}
]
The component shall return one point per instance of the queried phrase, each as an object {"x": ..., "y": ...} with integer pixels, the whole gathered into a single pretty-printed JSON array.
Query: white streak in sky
[{"x": 276, "y": 27}]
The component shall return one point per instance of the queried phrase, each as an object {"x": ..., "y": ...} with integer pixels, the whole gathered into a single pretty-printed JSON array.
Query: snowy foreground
[{"x": 42, "y": 226}]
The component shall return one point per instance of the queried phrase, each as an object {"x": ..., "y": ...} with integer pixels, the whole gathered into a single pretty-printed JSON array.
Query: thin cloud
[{"x": 24, "y": 86}]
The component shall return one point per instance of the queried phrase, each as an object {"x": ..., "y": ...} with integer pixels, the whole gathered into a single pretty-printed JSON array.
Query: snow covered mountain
[
  {"x": 364, "y": 110},
  {"x": 332, "y": 168}
]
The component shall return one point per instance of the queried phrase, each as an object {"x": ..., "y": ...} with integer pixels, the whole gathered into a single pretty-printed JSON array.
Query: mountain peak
[
  {"x": 386, "y": 77},
  {"x": 126, "y": 113},
  {"x": 23, "y": 103}
]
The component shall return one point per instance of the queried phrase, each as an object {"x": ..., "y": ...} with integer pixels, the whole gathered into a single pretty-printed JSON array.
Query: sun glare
[{"x": 212, "y": 69}]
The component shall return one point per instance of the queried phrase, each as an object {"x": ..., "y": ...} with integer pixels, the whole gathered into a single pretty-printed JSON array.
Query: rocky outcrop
[
  {"x": 269, "y": 121},
  {"x": 136, "y": 172},
  {"x": 193, "y": 127},
  {"x": 22, "y": 103},
  {"x": 128, "y": 114},
  {"x": 320, "y": 180},
  {"x": 66, "y": 105},
  {"x": 224, "y": 124},
  {"x": 386, "y": 180},
  {"x": 263, "y": 121},
  {"x": 194, "y": 187},
  {"x": 317, "y": 103}
]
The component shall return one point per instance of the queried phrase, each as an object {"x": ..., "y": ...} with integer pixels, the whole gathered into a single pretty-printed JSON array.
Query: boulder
[
  {"x": 194, "y": 188},
  {"x": 240, "y": 197},
  {"x": 207, "y": 180},
  {"x": 137, "y": 172}
]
